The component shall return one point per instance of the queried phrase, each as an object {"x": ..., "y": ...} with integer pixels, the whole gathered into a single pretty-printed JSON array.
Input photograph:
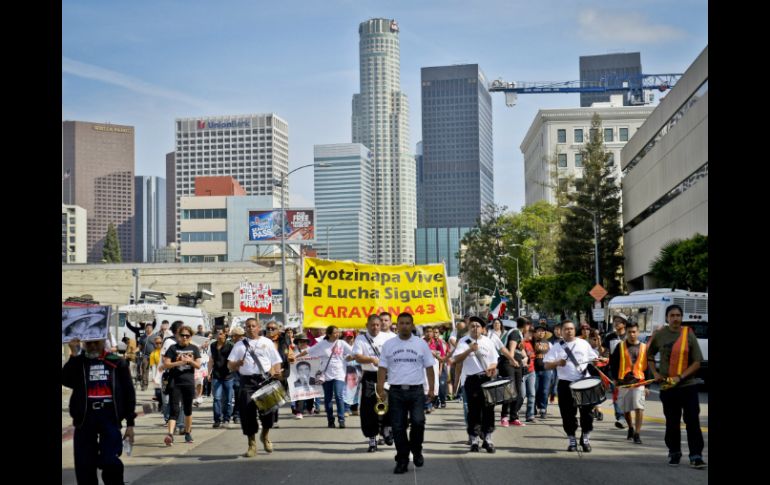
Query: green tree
[
  {"x": 596, "y": 192},
  {"x": 481, "y": 259},
  {"x": 111, "y": 250},
  {"x": 563, "y": 294},
  {"x": 683, "y": 264}
]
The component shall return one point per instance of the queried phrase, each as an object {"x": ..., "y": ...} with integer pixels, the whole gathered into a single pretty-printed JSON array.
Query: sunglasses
[
  {"x": 271, "y": 328},
  {"x": 185, "y": 335}
]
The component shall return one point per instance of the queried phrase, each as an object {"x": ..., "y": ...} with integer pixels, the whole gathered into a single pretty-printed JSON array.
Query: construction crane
[{"x": 635, "y": 87}]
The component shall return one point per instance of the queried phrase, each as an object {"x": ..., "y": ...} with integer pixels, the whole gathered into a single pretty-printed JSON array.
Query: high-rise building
[
  {"x": 666, "y": 184},
  {"x": 609, "y": 68},
  {"x": 343, "y": 202},
  {"x": 73, "y": 234},
  {"x": 457, "y": 177},
  {"x": 553, "y": 144},
  {"x": 170, "y": 199},
  {"x": 98, "y": 162},
  {"x": 439, "y": 245},
  {"x": 150, "y": 217},
  {"x": 253, "y": 149},
  {"x": 380, "y": 122}
]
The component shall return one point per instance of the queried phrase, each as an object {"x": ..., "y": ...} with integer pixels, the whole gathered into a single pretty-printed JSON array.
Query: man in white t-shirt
[
  {"x": 254, "y": 357},
  {"x": 386, "y": 320},
  {"x": 367, "y": 350},
  {"x": 478, "y": 355},
  {"x": 558, "y": 358},
  {"x": 404, "y": 362}
]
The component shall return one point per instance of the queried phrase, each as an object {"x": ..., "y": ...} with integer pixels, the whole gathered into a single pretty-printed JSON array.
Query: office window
[
  {"x": 204, "y": 286},
  {"x": 608, "y": 134},
  {"x": 623, "y": 135},
  {"x": 228, "y": 301},
  {"x": 561, "y": 136},
  {"x": 562, "y": 159},
  {"x": 611, "y": 159},
  {"x": 579, "y": 135},
  {"x": 578, "y": 159}
]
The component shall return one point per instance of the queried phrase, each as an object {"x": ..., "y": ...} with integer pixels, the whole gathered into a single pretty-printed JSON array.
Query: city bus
[{"x": 648, "y": 307}]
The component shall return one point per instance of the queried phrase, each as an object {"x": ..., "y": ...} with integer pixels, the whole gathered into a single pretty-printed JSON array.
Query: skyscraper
[
  {"x": 380, "y": 122},
  {"x": 99, "y": 159},
  {"x": 343, "y": 202},
  {"x": 253, "y": 149},
  {"x": 150, "y": 217},
  {"x": 457, "y": 175},
  {"x": 609, "y": 67}
]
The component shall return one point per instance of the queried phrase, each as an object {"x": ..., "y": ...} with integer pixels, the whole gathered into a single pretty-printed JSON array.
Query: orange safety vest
[
  {"x": 638, "y": 367},
  {"x": 679, "y": 354}
]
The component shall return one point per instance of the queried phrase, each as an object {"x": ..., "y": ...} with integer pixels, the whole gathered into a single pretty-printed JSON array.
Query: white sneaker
[{"x": 298, "y": 416}]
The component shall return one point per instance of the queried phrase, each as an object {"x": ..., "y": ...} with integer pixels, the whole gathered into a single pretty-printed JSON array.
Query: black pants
[
  {"x": 409, "y": 403},
  {"x": 181, "y": 393},
  {"x": 680, "y": 401},
  {"x": 98, "y": 444},
  {"x": 481, "y": 418},
  {"x": 568, "y": 411},
  {"x": 248, "y": 408},
  {"x": 371, "y": 422},
  {"x": 511, "y": 409}
]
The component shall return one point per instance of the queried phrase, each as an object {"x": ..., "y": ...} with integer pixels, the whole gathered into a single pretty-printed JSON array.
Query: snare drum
[
  {"x": 269, "y": 397},
  {"x": 588, "y": 391},
  {"x": 498, "y": 391}
]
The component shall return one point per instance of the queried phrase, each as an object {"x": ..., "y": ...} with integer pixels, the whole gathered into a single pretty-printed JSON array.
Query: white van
[{"x": 152, "y": 307}]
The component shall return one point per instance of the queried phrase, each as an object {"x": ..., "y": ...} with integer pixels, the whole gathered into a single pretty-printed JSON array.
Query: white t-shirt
[
  {"x": 263, "y": 348},
  {"x": 167, "y": 343},
  {"x": 495, "y": 341},
  {"x": 335, "y": 370},
  {"x": 471, "y": 364},
  {"x": 583, "y": 353},
  {"x": 362, "y": 347},
  {"x": 406, "y": 360}
]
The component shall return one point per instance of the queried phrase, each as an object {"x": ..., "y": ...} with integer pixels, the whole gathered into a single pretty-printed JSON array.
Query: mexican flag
[{"x": 497, "y": 307}]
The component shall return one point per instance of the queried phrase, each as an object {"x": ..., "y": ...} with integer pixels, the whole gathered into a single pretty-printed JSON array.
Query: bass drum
[{"x": 588, "y": 391}]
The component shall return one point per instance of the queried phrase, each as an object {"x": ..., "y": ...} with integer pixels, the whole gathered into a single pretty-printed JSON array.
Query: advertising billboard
[{"x": 265, "y": 226}]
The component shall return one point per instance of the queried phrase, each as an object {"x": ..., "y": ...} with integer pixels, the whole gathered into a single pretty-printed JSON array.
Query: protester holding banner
[
  {"x": 254, "y": 357},
  {"x": 368, "y": 349},
  {"x": 332, "y": 351},
  {"x": 302, "y": 405},
  {"x": 352, "y": 378},
  {"x": 404, "y": 362}
]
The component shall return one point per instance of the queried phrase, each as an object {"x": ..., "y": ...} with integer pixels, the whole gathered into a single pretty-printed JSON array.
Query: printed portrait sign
[
  {"x": 304, "y": 382},
  {"x": 84, "y": 322}
]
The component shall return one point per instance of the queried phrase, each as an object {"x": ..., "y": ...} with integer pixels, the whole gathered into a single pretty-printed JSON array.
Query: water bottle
[{"x": 127, "y": 446}]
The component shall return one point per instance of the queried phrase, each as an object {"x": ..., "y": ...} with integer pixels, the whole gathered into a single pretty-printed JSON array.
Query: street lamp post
[
  {"x": 534, "y": 264},
  {"x": 596, "y": 236},
  {"x": 518, "y": 289},
  {"x": 284, "y": 296}
]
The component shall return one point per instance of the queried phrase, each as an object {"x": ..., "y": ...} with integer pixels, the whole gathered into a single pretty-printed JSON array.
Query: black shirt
[
  {"x": 219, "y": 356},
  {"x": 184, "y": 374}
]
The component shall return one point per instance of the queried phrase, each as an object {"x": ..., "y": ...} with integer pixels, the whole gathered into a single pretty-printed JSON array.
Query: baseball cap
[
  {"x": 237, "y": 331},
  {"x": 622, "y": 316},
  {"x": 348, "y": 333}
]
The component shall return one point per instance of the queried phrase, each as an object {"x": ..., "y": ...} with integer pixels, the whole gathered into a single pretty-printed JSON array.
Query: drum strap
[
  {"x": 254, "y": 356},
  {"x": 570, "y": 355}
]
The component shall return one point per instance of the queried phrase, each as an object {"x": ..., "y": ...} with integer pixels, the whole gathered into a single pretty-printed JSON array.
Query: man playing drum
[
  {"x": 559, "y": 358},
  {"x": 478, "y": 356},
  {"x": 253, "y": 357}
]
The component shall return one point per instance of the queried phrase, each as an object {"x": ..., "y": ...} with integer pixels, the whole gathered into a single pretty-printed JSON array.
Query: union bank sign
[{"x": 215, "y": 125}]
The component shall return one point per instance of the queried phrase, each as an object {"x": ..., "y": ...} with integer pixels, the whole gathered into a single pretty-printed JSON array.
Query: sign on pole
[
  {"x": 256, "y": 298},
  {"x": 598, "y": 292}
]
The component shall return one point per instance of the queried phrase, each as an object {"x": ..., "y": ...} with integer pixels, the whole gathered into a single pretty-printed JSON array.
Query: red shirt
[
  {"x": 530, "y": 354},
  {"x": 437, "y": 344}
]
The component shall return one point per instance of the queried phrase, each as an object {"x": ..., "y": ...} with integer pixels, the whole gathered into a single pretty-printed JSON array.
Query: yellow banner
[{"x": 344, "y": 293}]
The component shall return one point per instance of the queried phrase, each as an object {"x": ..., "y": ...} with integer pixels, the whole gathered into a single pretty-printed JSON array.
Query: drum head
[
  {"x": 586, "y": 383},
  {"x": 495, "y": 383}
]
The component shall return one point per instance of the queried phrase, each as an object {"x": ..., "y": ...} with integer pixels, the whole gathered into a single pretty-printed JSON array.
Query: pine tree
[
  {"x": 111, "y": 250},
  {"x": 598, "y": 193}
]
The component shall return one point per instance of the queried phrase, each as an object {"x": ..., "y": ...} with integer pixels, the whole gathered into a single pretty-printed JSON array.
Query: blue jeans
[
  {"x": 223, "y": 397},
  {"x": 405, "y": 404},
  {"x": 338, "y": 388},
  {"x": 528, "y": 388},
  {"x": 98, "y": 444},
  {"x": 543, "y": 386}
]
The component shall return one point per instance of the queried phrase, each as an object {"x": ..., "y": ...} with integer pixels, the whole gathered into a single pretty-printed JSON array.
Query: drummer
[
  {"x": 478, "y": 356},
  {"x": 563, "y": 356}
]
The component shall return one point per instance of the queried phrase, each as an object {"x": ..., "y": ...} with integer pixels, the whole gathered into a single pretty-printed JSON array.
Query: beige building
[
  {"x": 204, "y": 239},
  {"x": 665, "y": 183},
  {"x": 563, "y": 133},
  {"x": 111, "y": 284},
  {"x": 98, "y": 175},
  {"x": 73, "y": 234}
]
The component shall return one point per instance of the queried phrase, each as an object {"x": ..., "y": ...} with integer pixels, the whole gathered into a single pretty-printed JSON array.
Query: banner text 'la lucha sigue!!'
[{"x": 344, "y": 293}]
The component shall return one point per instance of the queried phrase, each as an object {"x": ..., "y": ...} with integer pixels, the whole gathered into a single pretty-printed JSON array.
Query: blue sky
[{"x": 145, "y": 63}]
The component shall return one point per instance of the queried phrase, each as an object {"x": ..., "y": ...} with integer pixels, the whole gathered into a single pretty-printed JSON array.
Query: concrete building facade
[
  {"x": 99, "y": 159},
  {"x": 253, "y": 149},
  {"x": 344, "y": 209},
  {"x": 665, "y": 183},
  {"x": 609, "y": 68},
  {"x": 380, "y": 122},
  {"x": 559, "y": 135},
  {"x": 74, "y": 246}
]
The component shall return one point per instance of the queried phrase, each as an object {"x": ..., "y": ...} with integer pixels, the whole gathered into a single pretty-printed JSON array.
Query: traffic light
[{"x": 466, "y": 288}]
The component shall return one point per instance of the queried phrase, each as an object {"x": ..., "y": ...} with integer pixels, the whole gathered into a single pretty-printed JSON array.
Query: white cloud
[
  {"x": 97, "y": 73},
  {"x": 625, "y": 27}
]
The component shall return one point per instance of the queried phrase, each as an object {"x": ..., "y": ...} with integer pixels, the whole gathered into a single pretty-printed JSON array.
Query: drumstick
[{"x": 637, "y": 384}]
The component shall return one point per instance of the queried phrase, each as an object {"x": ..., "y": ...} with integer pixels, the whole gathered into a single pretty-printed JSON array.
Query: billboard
[{"x": 265, "y": 226}]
